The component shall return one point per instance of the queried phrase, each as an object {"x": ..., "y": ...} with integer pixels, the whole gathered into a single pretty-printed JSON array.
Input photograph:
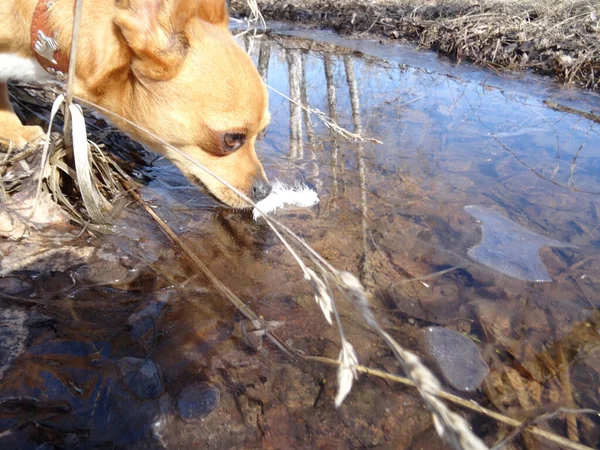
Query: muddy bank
[{"x": 558, "y": 39}]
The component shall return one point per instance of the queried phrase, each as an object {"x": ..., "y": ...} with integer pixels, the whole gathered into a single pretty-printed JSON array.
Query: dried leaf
[
  {"x": 322, "y": 296},
  {"x": 346, "y": 372}
]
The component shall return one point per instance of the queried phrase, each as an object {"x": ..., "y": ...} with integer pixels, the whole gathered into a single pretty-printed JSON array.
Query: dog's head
[{"x": 193, "y": 86}]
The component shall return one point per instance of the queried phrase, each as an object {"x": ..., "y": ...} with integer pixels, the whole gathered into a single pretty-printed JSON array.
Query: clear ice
[{"x": 508, "y": 247}]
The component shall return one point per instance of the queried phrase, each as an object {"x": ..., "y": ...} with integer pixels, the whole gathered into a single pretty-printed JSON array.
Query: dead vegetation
[
  {"x": 556, "y": 38},
  {"x": 20, "y": 169}
]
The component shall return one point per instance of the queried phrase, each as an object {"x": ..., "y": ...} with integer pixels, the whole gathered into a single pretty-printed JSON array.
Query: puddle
[{"x": 119, "y": 342}]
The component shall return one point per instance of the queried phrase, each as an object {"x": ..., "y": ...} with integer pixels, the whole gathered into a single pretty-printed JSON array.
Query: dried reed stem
[
  {"x": 473, "y": 406},
  {"x": 225, "y": 292}
]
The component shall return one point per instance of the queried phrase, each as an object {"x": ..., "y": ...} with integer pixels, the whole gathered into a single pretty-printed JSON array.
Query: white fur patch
[
  {"x": 19, "y": 68},
  {"x": 282, "y": 194}
]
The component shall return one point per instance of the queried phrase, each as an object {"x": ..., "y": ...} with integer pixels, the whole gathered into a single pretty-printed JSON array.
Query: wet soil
[
  {"x": 117, "y": 341},
  {"x": 558, "y": 39}
]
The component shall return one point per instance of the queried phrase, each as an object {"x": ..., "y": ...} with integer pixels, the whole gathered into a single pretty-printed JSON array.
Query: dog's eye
[{"x": 233, "y": 141}]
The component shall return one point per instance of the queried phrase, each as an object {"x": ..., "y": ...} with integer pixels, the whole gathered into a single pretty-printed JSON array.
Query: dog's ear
[
  {"x": 155, "y": 31},
  {"x": 215, "y": 12}
]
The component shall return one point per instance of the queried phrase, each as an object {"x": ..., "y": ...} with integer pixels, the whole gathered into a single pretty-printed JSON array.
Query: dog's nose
[{"x": 261, "y": 190}]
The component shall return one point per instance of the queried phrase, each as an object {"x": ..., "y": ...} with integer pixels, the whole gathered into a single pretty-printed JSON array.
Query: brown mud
[{"x": 554, "y": 38}]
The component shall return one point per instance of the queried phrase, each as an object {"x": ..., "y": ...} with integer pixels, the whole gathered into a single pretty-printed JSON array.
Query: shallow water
[{"x": 118, "y": 341}]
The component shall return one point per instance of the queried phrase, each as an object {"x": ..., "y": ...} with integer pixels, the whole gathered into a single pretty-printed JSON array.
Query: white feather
[{"x": 283, "y": 194}]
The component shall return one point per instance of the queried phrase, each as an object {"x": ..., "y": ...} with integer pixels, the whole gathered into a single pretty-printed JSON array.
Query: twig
[
  {"x": 3, "y": 171},
  {"x": 26, "y": 153},
  {"x": 20, "y": 300},
  {"x": 539, "y": 175},
  {"x": 426, "y": 277},
  {"x": 531, "y": 169},
  {"x": 255, "y": 17},
  {"x": 210, "y": 276},
  {"x": 370, "y": 27},
  {"x": 567, "y": 389},
  {"x": 569, "y": 110},
  {"x": 78, "y": 7},
  {"x": 521, "y": 427},
  {"x": 528, "y": 425},
  {"x": 573, "y": 165}
]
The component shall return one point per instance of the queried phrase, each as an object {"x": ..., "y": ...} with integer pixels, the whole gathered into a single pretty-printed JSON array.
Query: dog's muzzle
[{"x": 260, "y": 190}]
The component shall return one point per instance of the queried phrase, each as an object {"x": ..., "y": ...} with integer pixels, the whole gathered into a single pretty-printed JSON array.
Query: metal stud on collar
[
  {"x": 60, "y": 76},
  {"x": 46, "y": 47}
]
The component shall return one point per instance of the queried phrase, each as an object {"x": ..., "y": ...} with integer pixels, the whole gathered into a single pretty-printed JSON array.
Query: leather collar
[{"x": 44, "y": 46}]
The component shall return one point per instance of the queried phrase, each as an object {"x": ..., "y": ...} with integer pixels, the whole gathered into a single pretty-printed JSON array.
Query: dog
[{"x": 169, "y": 66}]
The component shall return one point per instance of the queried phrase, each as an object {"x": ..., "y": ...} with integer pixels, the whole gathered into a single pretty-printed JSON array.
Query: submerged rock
[
  {"x": 508, "y": 247},
  {"x": 457, "y": 358},
  {"x": 143, "y": 378},
  {"x": 198, "y": 401},
  {"x": 144, "y": 320},
  {"x": 14, "y": 285},
  {"x": 13, "y": 337}
]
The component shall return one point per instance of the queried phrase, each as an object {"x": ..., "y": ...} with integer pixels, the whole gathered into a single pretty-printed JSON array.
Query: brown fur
[{"x": 170, "y": 66}]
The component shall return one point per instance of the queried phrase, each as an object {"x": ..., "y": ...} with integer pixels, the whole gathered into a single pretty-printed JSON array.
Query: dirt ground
[{"x": 559, "y": 38}]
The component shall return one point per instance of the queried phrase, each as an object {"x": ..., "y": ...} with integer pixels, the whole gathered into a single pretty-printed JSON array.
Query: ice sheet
[{"x": 508, "y": 247}]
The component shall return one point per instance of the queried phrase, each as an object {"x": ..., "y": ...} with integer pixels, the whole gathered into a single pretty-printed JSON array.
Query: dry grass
[{"x": 559, "y": 37}]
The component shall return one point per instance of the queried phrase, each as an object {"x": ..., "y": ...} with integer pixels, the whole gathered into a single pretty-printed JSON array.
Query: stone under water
[
  {"x": 198, "y": 401},
  {"x": 509, "y": 248},
  {"x": 457, "y": 358},
  {"x": 143, "y": 378}
]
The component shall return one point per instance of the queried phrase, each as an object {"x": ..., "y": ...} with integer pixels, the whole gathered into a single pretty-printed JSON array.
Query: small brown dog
[{"x": 169, "y": 66}]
